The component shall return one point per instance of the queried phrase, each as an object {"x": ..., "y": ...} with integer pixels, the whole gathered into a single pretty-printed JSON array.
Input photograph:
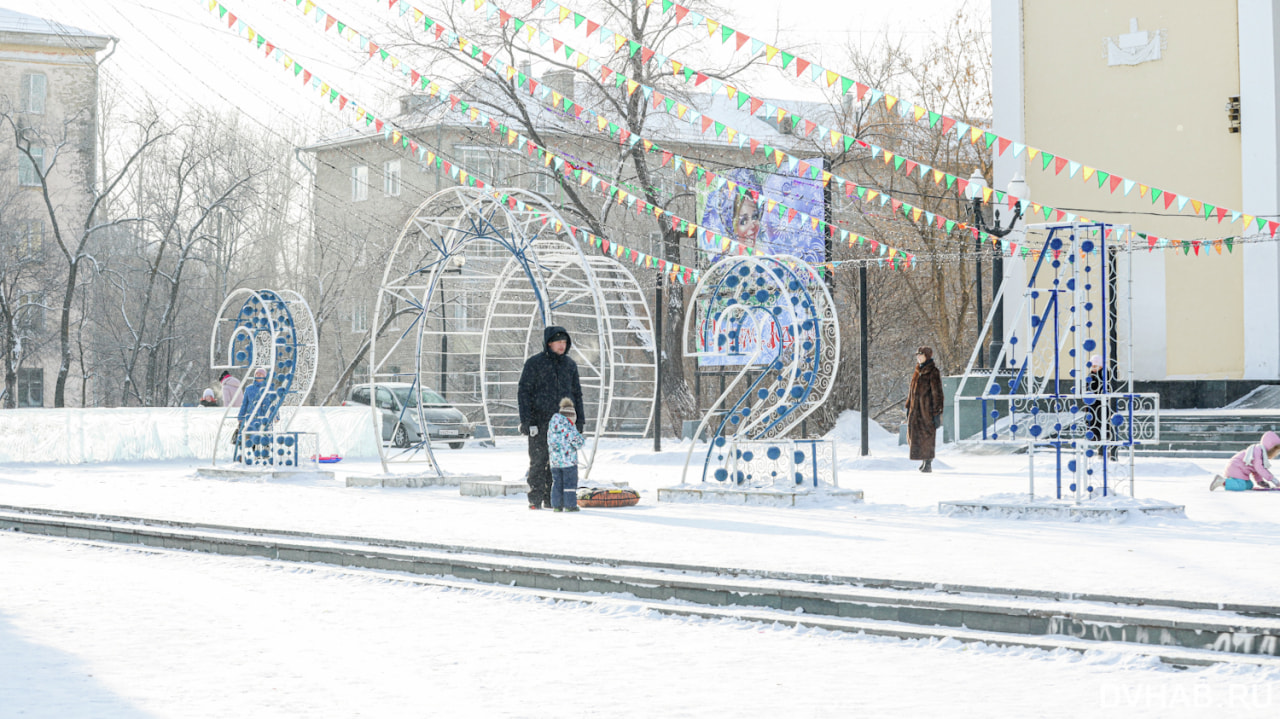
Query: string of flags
[
  {"x": 704, "y": 175},
  {"x": 817, "y": 74},
  {"x": 892, "y": 255}
]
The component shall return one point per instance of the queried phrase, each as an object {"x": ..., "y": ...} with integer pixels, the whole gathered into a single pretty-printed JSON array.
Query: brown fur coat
[{"x": 924, "y": 402}]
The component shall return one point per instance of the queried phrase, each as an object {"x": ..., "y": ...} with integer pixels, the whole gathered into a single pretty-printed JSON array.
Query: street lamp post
[{"x": 1017, "y": 188}]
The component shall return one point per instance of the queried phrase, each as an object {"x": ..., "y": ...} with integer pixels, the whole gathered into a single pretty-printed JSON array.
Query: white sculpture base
[
  {"x": 418, "y": 480},
  {"x": 1115, "y": 509},
  {"x": 759, "y": 497},
  {"x": 240, "y": 472}
]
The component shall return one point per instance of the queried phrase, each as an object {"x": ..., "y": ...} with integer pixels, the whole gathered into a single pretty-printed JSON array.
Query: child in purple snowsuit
[
  {"x": 563, "y": 442},
  {"x": 1251, "y": 467}
]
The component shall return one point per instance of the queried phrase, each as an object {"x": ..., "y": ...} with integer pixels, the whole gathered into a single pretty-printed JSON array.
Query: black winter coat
[{"x": 548, "y": 378}]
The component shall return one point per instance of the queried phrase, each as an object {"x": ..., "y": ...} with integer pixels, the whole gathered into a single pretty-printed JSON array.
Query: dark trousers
[
  {"x": 564, "y": 486},
  {"x": 539, "y": 469}
]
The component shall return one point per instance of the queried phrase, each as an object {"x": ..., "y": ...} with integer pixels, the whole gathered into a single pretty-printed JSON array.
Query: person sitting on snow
[{"x": 1251, "y": 467}]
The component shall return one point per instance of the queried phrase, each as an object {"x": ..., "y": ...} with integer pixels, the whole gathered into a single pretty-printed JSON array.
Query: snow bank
[
  {"x": 848, "y": 429},
  {"x": 79, "y": 436}
]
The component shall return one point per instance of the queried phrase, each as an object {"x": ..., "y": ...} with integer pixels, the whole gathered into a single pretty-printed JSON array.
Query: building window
[
  {"x": 461, "y": 313},
  {"x": 30, "y": 315},
  {"x": 477, "y": 161},
  {"x": 30, "y": 239},
  {"x": 360, "y": 318},
  {"x": 34, "y": 90},
  {"x": 27, "y": 175},
  {"x": 543, "y": 183},
  {"x": 359, "y": 183},
  {"x": 391, "y": 178},
  {"x": 30, "y": 387}
]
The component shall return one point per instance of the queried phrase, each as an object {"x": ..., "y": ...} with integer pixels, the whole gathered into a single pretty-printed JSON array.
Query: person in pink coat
[
  {"x": 230, "y": 390},
  {"x": 1251, "y": 467}
]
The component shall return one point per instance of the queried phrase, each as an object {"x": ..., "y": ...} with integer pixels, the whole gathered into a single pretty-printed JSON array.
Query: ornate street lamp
[{"x": 1017, "y": 188}]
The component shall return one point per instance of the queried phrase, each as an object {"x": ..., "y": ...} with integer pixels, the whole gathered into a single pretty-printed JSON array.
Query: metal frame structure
[
  {"x": 510, "y": 252},
  {"x": 737, "y": 301},
  {"x": 276, "y": 331},
  {"x": 1038, "y": 395}
]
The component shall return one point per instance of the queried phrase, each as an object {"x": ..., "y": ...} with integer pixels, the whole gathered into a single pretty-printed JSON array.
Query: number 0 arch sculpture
[{"x": 476, "y": 275}]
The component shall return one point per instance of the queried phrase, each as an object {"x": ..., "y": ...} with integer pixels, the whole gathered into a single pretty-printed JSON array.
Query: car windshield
[{"x": 429, "y": 398}]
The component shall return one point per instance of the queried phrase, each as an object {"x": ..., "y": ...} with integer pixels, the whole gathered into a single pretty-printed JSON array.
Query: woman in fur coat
[{"x": 924, "y": 408}]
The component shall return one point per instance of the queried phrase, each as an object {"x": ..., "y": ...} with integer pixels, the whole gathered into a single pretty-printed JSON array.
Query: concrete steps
[{"x": 1217, "y": 433}]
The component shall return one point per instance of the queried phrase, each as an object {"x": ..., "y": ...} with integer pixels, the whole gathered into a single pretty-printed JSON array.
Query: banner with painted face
[{"x": 761, "y": 218}]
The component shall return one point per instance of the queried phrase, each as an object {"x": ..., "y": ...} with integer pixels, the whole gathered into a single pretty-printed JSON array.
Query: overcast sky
[{"x": 173, "y": 50}]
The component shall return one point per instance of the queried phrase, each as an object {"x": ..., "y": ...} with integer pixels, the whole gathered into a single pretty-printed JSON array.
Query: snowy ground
[
  {"x": 112, "y": 632},
  {"x": 117, "y": 632}
]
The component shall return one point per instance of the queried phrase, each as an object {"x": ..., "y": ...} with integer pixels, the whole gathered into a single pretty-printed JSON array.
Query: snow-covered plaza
[{"x": 102, "y": 630}]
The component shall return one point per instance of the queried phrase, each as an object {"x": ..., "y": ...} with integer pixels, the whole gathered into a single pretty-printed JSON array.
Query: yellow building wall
[{"x": 1161, "y": 123}]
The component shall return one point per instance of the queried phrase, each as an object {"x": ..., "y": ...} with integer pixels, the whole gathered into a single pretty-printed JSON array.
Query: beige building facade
[
  {"x": 1145, "y": 89},
  {"x": 49, "y": 96}
]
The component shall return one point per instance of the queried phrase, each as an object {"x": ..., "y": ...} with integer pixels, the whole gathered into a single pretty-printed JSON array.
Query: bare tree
[{"x": 73, "y": 228}]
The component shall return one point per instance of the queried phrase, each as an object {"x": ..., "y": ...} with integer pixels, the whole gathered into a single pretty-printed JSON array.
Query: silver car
[{"x": 400, "y": 414}]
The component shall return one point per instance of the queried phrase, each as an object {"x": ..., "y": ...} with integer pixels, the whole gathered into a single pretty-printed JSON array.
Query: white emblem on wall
[{"x": 1136, "y": 46}]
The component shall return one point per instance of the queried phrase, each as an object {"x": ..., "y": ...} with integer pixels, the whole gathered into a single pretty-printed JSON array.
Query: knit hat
[
  {"x": 926, "y": 351},
  {"x": 209, "y": 394},
  {"x": 558, "y": 336},
  {"x": 225, "y": 374},
  {"x": 1095, "y": 361},
  {"x": 260, "y": 372},
  {"x": 567, "y": 408}
]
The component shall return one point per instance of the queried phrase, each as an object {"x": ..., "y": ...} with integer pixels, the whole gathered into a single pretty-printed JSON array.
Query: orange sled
[{"x": 589, "y": 497}]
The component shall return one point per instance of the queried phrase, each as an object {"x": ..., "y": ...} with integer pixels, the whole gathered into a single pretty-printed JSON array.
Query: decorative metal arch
[
  {"x": 272, "y": 330},
  {"x": 508, "y": 254},
  {"x": 781, "y": 299}
]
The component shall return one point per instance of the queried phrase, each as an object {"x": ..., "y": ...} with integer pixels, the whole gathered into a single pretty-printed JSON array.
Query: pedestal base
[
  {"x": 758, "y": 497},
  {"x": 1094, "y": 510},
  {"x": 417, "y": 480},
  {"x": 262, "y": 473}
]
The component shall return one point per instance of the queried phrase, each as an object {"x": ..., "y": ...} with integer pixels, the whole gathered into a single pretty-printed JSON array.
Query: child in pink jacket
[{"x": 1251, "y": 467}]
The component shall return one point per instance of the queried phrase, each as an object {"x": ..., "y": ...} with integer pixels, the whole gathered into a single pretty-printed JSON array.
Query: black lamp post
[{"x": 1017, "y": 188}]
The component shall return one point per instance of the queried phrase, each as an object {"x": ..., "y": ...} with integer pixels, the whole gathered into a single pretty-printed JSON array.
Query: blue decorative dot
[
  {"x": 773, "y": 453},
  {"x": 798, "y": 457}
]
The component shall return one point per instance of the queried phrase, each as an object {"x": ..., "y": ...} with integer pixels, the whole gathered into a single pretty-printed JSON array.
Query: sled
[{"x": 594, "y": 497}]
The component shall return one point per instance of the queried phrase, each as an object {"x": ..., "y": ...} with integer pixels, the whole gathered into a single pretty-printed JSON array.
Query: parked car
[{"x": 399, "y": 404}]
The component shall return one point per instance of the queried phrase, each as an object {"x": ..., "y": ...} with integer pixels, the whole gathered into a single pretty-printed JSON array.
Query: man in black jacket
[{"x": 548, "y": 377}]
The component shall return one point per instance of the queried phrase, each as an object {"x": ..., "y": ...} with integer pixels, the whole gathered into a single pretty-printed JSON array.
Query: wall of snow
[{"x": 78, "y": 436}]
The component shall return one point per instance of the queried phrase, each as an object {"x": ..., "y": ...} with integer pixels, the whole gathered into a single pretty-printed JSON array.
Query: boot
[
  {"x": 1218, "y": 482},
  {"x": 927, "y": 467}
]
